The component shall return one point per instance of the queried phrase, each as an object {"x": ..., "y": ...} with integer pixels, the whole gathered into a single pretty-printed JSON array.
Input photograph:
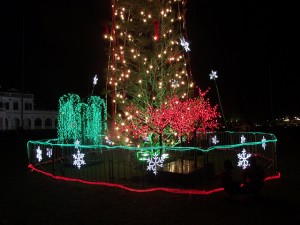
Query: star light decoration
[
  {"x": 39, "y": 154},
  {"x": 154, "y": 162},
  {"x": 243, "y": 159},
  {"x": 78, "y": 158},
  {"x": 184, "y": 44},
  {"x": 214, "y": 140},
  {"x": 263, "y": 140},
  {"x": 95, "y": 80},
  {"x": 213, "y": 75}
]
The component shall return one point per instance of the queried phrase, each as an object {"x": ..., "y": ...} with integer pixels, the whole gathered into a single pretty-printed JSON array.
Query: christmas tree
[{"x": 149, "y": 81}]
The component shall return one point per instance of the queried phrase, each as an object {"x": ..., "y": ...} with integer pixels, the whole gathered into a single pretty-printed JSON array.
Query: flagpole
[{"x": 213, "y": 76}]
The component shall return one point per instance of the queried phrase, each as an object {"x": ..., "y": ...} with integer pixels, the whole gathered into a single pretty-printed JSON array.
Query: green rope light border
[{"x": 170, "y": 148}]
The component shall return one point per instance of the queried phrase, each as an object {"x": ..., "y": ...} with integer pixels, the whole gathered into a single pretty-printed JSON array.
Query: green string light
[{"x": 55, "y": 142}]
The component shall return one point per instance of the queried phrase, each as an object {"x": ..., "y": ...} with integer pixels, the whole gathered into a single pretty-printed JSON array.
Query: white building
[{"x": 12, "y": 113}]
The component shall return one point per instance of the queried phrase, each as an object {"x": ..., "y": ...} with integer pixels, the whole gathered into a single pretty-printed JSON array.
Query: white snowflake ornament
[
  {"x": 263, "y": 140},
  {"x": 49, "y": 152},
  {"x": 77, "y": 143},
  {"x": 214, "y": 140},
  {"x": 184, "y": 44},
  {"x": 78, "y": 159},
  {"x": 243, "y": 159},
  {"x": 39, "y": 154},
  {"x": 155, "y": 162},
  {"x": 146, "y": 139},
  {"x": 213, "y": 75},
  {"x": 243, "y": 139},
  {"x": 175, "y": 83}
]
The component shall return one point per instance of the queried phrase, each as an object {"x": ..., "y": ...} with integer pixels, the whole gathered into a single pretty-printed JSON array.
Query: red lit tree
[
  {"x": 196, "y": 115},
  {"x": 172, "y": 122}
]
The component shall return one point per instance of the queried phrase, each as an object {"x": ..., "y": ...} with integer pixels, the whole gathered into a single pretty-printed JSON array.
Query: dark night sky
[{"x": 251, "y": 46}]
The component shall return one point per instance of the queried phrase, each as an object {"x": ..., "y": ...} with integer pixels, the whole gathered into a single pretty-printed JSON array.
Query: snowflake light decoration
[
  {"x": 146, "y": 139},
  {"x": 175, "y": 83},
  {"x": 39, "y": 154},
  {"x": 185, "y": 44},
  {"x": 49, "y": 152},
  {"x": 243, "y": 139},
  {"x": 214, "y": 140},
  {"x": 243, "y": 159},
  {"x": 78, "y": 159},
  {"x": 213, "y": 75},
  {"x": 154, "y": 162},
  {"x": 263, "y": 140},
  {"x": 108, "y": 141}
]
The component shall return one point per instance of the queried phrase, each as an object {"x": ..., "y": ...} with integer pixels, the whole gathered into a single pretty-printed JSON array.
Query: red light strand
[{"x": 170, "y": 190}]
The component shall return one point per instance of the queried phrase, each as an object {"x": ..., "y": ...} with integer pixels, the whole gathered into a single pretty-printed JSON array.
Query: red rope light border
[{"x": 170, "y": 190}]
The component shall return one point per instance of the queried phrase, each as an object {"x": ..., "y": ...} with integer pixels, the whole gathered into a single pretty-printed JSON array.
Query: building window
[
  {"x": 15, "y": 123},
  {"x": 7, "y": 105},
  {"x": 48, "y": 123},
  {"x": 28, "y": 106},
  {"x": 16, "y": 106},
  {"x": 37, "y": 123}
]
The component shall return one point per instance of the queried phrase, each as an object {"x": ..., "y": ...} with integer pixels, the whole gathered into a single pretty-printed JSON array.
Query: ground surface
[{"x": 29, "y": 198}]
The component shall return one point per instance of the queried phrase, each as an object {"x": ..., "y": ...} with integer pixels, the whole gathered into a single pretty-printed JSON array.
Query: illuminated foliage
[
  {"x": 81, "y": 121},
  {"x": 69, "y": 121},
  {"x": 95, "y": 118},
  {"x": 174, "y": 121}
]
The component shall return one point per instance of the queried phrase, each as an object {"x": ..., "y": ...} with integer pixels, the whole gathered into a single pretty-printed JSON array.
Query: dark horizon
[{"x": 251, "y": 48}]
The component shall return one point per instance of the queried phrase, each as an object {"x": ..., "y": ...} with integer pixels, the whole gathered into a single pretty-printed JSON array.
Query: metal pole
[{"x": 22, "y": 67}]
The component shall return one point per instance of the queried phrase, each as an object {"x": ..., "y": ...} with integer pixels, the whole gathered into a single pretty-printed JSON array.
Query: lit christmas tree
[{"x": 148, "y": 70}]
